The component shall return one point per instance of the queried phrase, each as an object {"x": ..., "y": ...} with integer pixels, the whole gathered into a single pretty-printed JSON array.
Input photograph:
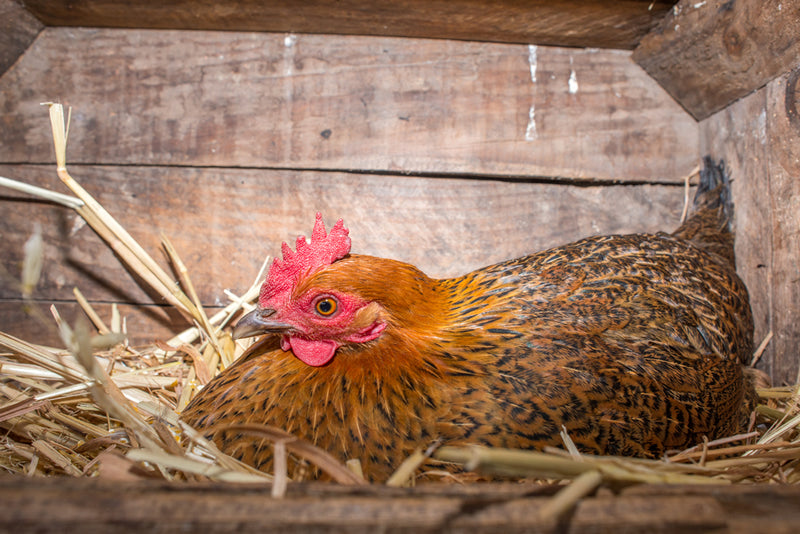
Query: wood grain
[
  {"x": 784, "y": 168},
  {"x": 227, "y": 99},
  {"x": 759, "y": 138},
  {"x": 18, "y": 29},
  {"x": 224, "y": 222},
  {"x": 708, "y": 54},
  {"x": 580, "y": 23},
  {"x": 109, "y": 506}
]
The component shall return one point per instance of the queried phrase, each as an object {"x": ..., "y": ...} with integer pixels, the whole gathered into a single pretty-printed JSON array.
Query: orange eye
[{"x": 326, "y": 306}]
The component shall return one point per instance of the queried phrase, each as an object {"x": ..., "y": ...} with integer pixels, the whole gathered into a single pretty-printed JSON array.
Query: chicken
[{"x": 634, "y": 344}]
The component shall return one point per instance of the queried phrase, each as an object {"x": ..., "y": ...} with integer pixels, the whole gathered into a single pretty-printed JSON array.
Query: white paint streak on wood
[
  {"x": 532, "y": 60},
  {"x": 288, "y": 57},
  {"x": 572, "y": 84},
  {"x": 530, "y": 131}
]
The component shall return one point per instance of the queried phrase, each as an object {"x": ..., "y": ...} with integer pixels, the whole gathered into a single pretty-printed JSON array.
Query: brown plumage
[{"x": 634, "y": 343}]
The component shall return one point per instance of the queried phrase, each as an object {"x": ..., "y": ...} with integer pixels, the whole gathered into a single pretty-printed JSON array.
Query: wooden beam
[
  {"x": 96, "y": 505},
  {"x": 369, "y": 104},
  {"x": 581, "y": 23},
  {"x": 224, "y": 222},
  {"x": 708, "y": 54},
  {"x": 18, "y": 29}
]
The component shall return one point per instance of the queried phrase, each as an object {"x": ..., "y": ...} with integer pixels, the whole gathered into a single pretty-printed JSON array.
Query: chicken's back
[
  {"x": 633, "y": 343},
  {"x": 611, "y": 341}
]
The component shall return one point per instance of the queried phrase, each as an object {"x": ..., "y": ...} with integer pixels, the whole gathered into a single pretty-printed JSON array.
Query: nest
[{"x": 103, "y": 408}]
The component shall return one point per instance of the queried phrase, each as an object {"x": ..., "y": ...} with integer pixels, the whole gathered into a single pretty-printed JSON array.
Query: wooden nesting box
[{"x": 447, "y": 133}]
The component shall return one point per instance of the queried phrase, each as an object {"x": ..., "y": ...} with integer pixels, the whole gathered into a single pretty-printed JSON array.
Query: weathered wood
[
  {"x": 708, "y": 54},
  {"x": 581, "y": 23},
  {"x": 783, "y": 120},
  {"x": 345, "y": 103},
  {"x": 224, "y": 222},
  {"x": 18, "y": 29},
  {"x": 759, "y": 138},
  {"x": 92, "y": 505}
]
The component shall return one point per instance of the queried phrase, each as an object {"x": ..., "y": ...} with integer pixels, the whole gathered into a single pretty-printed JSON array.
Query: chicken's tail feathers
[
  {"x": 710, "y": 224},
  {"x": 714, "y": 191}
]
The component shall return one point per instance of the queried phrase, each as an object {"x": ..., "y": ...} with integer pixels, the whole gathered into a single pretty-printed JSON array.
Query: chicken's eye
[{"x": 326, "y": 306}]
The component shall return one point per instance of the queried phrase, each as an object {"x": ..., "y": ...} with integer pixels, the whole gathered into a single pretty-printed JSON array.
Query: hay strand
[
  {"x": 566, "y": 499},
  {"x": 303, "y": 449},
  {"x": 40, "y": 192}
]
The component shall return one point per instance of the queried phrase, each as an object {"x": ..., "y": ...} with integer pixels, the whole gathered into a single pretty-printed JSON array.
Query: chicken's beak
[{"x": 256, "y": 323}]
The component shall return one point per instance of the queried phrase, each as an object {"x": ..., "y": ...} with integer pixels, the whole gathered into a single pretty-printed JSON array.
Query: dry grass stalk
[
  {"x": 687, "y": 187},
  {"x": 90, "y": 313},
  {"x": 111, "y": 231},
  {"x": 303, "y": 449},
  {"x": 761, "y": 348},
  {"x": 405, "y": 474},
  {"x": 354, "y": 465},
  {"x": 185, "y": 464},
  {"x": 46, "y": 194},
  {"x": 183, "y": 274},
  {"x": 562, "y": 502},
  {"x": 68, "y": 435},
  {"x": 546, "y": 465}
]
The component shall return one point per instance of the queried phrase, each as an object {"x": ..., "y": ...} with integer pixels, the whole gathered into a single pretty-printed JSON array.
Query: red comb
[{"x": 324, "y": 249}]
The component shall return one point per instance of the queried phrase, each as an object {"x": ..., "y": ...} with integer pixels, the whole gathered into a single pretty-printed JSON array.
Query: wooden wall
[
  {"x": 446, "y": 154},
  {"x": 759, "y": 138}
]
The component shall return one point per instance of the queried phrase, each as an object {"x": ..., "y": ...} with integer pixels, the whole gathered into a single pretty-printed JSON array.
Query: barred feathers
[{"x": 633, "y": 343}]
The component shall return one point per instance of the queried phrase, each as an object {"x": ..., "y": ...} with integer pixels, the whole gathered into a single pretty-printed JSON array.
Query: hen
[{"x": 634, "y": 343}]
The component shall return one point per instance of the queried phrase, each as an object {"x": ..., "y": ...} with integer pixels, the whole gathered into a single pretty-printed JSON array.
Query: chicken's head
[{"x": 312, "y": 319}]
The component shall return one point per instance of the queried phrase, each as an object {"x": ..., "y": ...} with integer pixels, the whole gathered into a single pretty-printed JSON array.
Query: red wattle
[{"x": 314, "y": 353}]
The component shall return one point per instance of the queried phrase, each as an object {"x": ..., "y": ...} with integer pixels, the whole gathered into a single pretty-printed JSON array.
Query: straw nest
[{"x": 103, "y": 408}]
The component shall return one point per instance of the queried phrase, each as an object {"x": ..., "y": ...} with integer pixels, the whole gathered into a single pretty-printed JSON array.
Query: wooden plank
[
  {"x": 738, "y": 135},
  {"x": 578, "y": 23},
  {"x": 224, "y": 222},
  {"x": 759, "y": 138},
  {"x": 708, "y": 54},
  {"x": 18, "y": 29},
  {"x": 742, "y": 506},
  {"x": 97, "y": 505},
  {"x": 371, "y": 104},
  {"x": 783, "y": 120}
]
